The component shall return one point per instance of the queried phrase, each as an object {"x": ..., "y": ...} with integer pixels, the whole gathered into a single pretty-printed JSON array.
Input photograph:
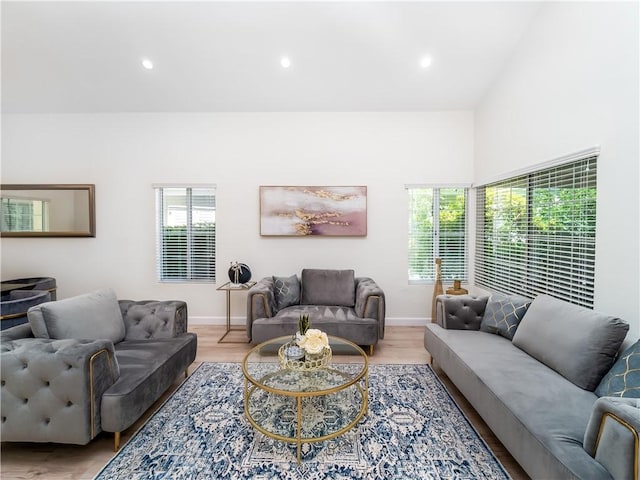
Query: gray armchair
[{"x": 336, "y": 301}]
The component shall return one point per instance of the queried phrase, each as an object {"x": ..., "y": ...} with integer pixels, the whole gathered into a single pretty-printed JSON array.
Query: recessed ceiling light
[
  {"x": 425, "y": 62},
  {"x": 146, "y": 63},
  {"x": 285, "y": 62}
]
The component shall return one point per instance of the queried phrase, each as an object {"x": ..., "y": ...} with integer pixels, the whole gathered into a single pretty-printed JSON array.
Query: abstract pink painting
[{"x": 306, "y": 211}]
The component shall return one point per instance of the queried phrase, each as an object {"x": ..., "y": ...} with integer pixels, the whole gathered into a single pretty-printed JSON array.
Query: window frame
[
  {"x": 564, "y": 269},
  {"x": 436, "y": 200},
  {"x": 195, "y": 264}
]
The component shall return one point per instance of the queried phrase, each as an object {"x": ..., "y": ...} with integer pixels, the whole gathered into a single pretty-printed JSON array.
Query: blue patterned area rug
[{"x": 413, "y": 430}]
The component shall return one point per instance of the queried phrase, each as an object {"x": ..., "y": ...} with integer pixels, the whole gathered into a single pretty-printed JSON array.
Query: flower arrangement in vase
[
  {"x": 309, "y": 349},
  {"x": 314, "y": 342}
]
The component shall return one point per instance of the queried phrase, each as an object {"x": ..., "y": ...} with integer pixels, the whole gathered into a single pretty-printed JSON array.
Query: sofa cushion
[
  {"x": 91, "y": 316},
  {"x": 328, "y": 287},
  {"x": 623, "y": 380},
  {"x": 503, "y": 314},
  {"x": 147, "y": 369},
  {"x": 333, "y": 320},
  {"x": 578, "y": 343},
  {"x": 287, "y": 291}
]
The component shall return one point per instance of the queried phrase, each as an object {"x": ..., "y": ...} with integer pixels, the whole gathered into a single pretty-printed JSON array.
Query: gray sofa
[
  {"x": 88, "y": 364},
  {"x": 534, "y": 372},
  {"x": 337, "y": 302}
]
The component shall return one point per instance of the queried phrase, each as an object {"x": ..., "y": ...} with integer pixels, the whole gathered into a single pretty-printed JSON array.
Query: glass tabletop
[{"x": 262, "y": 367}]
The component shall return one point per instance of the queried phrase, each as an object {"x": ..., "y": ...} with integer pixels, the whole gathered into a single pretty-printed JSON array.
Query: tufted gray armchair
[
  {"x": 337, "y": 302},
  {"x": 68, "y": 390}
]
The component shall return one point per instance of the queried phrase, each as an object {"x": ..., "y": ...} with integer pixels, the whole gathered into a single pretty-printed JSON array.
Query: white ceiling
[{"x": 60, "y": 57}]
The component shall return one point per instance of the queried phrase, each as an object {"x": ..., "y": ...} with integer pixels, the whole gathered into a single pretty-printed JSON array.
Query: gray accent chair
[
  {"x": 537, "y": 391},
  {"x": 19, "y": 294},
  {"x": 32, "y": 283},
  {"x": 337, "y": 302},
  {"x": 15, "y": 304},
  {"x": 89, "y": 364}
]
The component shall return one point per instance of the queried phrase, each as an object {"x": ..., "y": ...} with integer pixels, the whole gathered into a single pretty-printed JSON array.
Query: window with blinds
[
  {"x": 437, "y": 229},
  {"x": 536, "y": 233},
  {"x": 186, "y": 240}
]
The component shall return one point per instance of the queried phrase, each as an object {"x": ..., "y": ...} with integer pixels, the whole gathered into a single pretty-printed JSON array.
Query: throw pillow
[
  {"x": 287, "y": 291},
  {"x": 92, "y": 316},
  {"x": 503, "y": 314},
  {"x": 623, "y": 380},
  {"x": 578, "y": 343}
]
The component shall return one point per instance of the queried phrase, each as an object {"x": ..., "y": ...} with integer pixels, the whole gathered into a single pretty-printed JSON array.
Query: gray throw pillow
[
  {"x": 623, "y": 380},
  {"x": 287, "y": 291},
  {"x": 578, "y": 343},
  {"x": 328, "y": 287},
  {"x": 503, "y": 314},
  {"x": 92, "y": 316}
]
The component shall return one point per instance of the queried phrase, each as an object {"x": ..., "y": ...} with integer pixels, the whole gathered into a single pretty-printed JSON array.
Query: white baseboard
[{"x": 236, "y": 321}]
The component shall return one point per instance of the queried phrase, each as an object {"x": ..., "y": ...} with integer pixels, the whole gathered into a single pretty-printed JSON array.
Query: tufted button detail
[
  {"x": 69, "y": 403},
  {"x": 4, "y": 419},
  {"x": 3, "y": 383},
  {"x": 24, "y": 365},
  {"x": 25, "y": 400},
  {"x": 47, "y": 383},
  {"x": 69, "y": 366},
  {"x": 47, "y": 421}
]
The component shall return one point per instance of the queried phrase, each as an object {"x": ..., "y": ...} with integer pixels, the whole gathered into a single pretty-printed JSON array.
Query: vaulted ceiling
[{"x": 84, "y": 57}]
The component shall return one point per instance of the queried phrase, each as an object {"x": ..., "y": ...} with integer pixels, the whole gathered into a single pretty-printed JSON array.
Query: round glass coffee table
[{"x": 305, "y": 406}]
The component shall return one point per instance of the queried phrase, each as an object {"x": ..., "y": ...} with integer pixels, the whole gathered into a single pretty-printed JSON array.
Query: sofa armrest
[
  {"x": 460, "y": 312},
  {"x": 370, "y": 302},
  {"x": 613, "y": 436},
  {"x": 150, "y": 319},
  {"x": 52, "y": 389},
  {"x": 261, "y": 302}
]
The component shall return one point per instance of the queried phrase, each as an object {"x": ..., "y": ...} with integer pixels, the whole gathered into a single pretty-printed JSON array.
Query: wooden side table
[{"x": 233, "y": 287}]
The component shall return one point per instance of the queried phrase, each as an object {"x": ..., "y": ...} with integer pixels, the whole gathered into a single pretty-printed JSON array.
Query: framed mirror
[{"x": 66, "y": 210}]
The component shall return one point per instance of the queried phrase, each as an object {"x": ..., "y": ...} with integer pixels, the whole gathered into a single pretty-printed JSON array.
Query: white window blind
[
  {"x": 437, "y": 229},
  {"x": 24, "y": 215},
  {"x": 536, "y": 233},
  {"x": 186, "y": 240}
]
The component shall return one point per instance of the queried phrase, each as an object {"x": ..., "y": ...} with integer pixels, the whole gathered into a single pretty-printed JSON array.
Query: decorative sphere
[{"x": 243, "y": 274}]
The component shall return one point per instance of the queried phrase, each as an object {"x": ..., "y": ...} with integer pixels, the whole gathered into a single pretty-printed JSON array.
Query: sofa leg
[
  {"x": 371, "y": 350},
  {"x": 186, "y": 373},
  {"x": 116, "y": 441}
]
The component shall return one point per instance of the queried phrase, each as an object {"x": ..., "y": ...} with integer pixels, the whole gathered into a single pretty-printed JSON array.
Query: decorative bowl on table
[{"x": 293, "y": 357}]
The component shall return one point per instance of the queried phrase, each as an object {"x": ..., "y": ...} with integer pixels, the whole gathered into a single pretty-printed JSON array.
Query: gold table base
[{"x": 253, "y": 385}]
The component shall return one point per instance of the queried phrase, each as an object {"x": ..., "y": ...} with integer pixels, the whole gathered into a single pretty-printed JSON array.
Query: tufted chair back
[
  {"x": 150, "y": 319},
  {"x": 460, "y": 312}
]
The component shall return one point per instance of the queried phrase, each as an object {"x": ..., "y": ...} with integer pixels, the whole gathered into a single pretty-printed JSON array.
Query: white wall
[
  {"x": 125, "y": 154},
  {"x": 573, "y": 84}
]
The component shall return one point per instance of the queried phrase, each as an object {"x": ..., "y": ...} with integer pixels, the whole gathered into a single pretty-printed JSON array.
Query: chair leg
[{"x": 116, "y": 441}]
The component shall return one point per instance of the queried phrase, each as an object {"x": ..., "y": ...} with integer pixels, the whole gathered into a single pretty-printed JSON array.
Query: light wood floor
[{"x": 52, "y": 461}]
